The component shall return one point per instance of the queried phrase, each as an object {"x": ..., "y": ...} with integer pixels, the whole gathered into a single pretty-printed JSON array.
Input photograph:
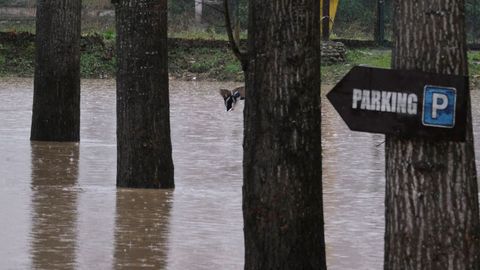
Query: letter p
[
  {"x": 439, "y": 103},
  {"x": 356, "y": 97}
]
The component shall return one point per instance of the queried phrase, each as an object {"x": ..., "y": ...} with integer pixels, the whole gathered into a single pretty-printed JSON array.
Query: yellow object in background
[{"x": 333, "y": 11}]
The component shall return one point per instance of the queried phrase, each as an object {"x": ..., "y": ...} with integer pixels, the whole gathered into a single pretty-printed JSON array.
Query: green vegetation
[
  {"x": 381, "y": 58},
  {"x": 98, "y": 59},
  {"x": 474, "y": 66},
  {"x": 208, "y": 34},
  {"x": 17, "y": 59},
  {"x": 370, "y": 57},
  {"x": 18, "y": 26},
  {"x": 474, "y": 60},
  {"x": 2, "y": 56},
  {"x": 109, "y": 35},
  {"x": 95, "y": 64},
  {"x": 204, "y": 63},
  {"x": 189, "y": 62}
]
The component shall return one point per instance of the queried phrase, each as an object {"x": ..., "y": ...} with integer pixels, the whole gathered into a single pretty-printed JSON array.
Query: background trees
[
  {"x": 144, "y": 149},
  {"x": 282, "y": 193},
  {"x": 432, "y": 218},
  {"x": 56, "y": 101},
  {"x": 355, "y": 18}
]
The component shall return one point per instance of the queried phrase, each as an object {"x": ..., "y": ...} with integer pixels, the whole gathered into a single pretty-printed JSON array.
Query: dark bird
[{"x": 231, "y": 97}]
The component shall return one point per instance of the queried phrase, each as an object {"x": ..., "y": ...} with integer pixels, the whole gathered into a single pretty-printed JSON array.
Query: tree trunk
[
  {"x": 282, "y": 193},
  {"x": 432, "y": 218},
  {"x": 144, "y": 149},
  {"x": 56, "y": 100}
]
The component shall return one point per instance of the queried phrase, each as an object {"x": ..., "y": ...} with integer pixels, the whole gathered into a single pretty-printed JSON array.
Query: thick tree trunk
[
  {"x": 144, "y": 149},
  {"x": 56, "y": 101},
  {"x": 282, "y": 193},
  {"x": 432, "y": 218}
]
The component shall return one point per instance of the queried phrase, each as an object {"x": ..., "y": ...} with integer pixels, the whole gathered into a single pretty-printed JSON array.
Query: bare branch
[{"x": 241, "y": 56}]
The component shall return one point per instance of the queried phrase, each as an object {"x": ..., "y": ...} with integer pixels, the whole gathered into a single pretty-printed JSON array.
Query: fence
[{"x": 355, "y": 19}]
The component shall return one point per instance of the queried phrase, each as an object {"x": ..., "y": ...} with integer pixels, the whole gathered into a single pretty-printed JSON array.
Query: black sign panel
[{"x": 403, "y": 103}]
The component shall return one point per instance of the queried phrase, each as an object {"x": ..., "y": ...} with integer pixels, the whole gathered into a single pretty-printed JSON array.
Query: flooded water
[{"x": 59, "y": 208}]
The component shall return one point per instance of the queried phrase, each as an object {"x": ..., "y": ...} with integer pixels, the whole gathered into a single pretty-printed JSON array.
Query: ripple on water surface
[{"x": 59, "y": 206}]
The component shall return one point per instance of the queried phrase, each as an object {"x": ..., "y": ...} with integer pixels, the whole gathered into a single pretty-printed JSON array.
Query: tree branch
[{"x": 241, "y": 56}]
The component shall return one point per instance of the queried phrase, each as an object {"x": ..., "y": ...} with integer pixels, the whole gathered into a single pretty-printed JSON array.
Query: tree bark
[
  {"x": 56, "y": 100},
  {"x": 432, "y": 218},
  {"x": 144, "y": 149},
  {"x": 282, "y": 192}
]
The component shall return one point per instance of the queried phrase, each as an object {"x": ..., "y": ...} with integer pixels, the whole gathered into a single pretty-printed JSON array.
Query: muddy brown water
[{"x": 59, "y": 208}]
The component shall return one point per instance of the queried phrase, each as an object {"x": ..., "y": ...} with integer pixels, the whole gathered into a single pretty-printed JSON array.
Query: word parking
[{"x": 384, "y": 101}]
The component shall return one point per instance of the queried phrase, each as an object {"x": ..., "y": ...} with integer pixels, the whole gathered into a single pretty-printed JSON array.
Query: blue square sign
[{"x": 439, "y": 104}]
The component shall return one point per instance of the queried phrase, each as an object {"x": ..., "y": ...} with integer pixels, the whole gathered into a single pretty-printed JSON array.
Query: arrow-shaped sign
[{"x": 403, "y": 103}]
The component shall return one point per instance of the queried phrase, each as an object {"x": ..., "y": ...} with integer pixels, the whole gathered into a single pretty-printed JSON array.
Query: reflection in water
[
  {"x": 141, "y": 228},
  {"x": 68, "y": 214},
  {"x": 15, "y": 173},
  {"x": 54, "y": 203},
  {"x": 206, "y": 219},
  {"x": 353, "y": 181}
]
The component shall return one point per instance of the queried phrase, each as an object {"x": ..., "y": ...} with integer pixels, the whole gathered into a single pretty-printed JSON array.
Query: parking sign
[
  {"x": 403, "y": 103},
  {"x": 439, "y": 106}
]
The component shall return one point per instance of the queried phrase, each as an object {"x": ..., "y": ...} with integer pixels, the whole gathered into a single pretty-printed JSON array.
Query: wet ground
[{"x": 59, "y": 208}]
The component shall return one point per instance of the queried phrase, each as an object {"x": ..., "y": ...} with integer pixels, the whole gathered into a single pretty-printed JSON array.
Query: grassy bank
[
  {"x": 98, "y": 59},
  {"x": 381, "y": 58},
  {"x": 188, "y": 59}
]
